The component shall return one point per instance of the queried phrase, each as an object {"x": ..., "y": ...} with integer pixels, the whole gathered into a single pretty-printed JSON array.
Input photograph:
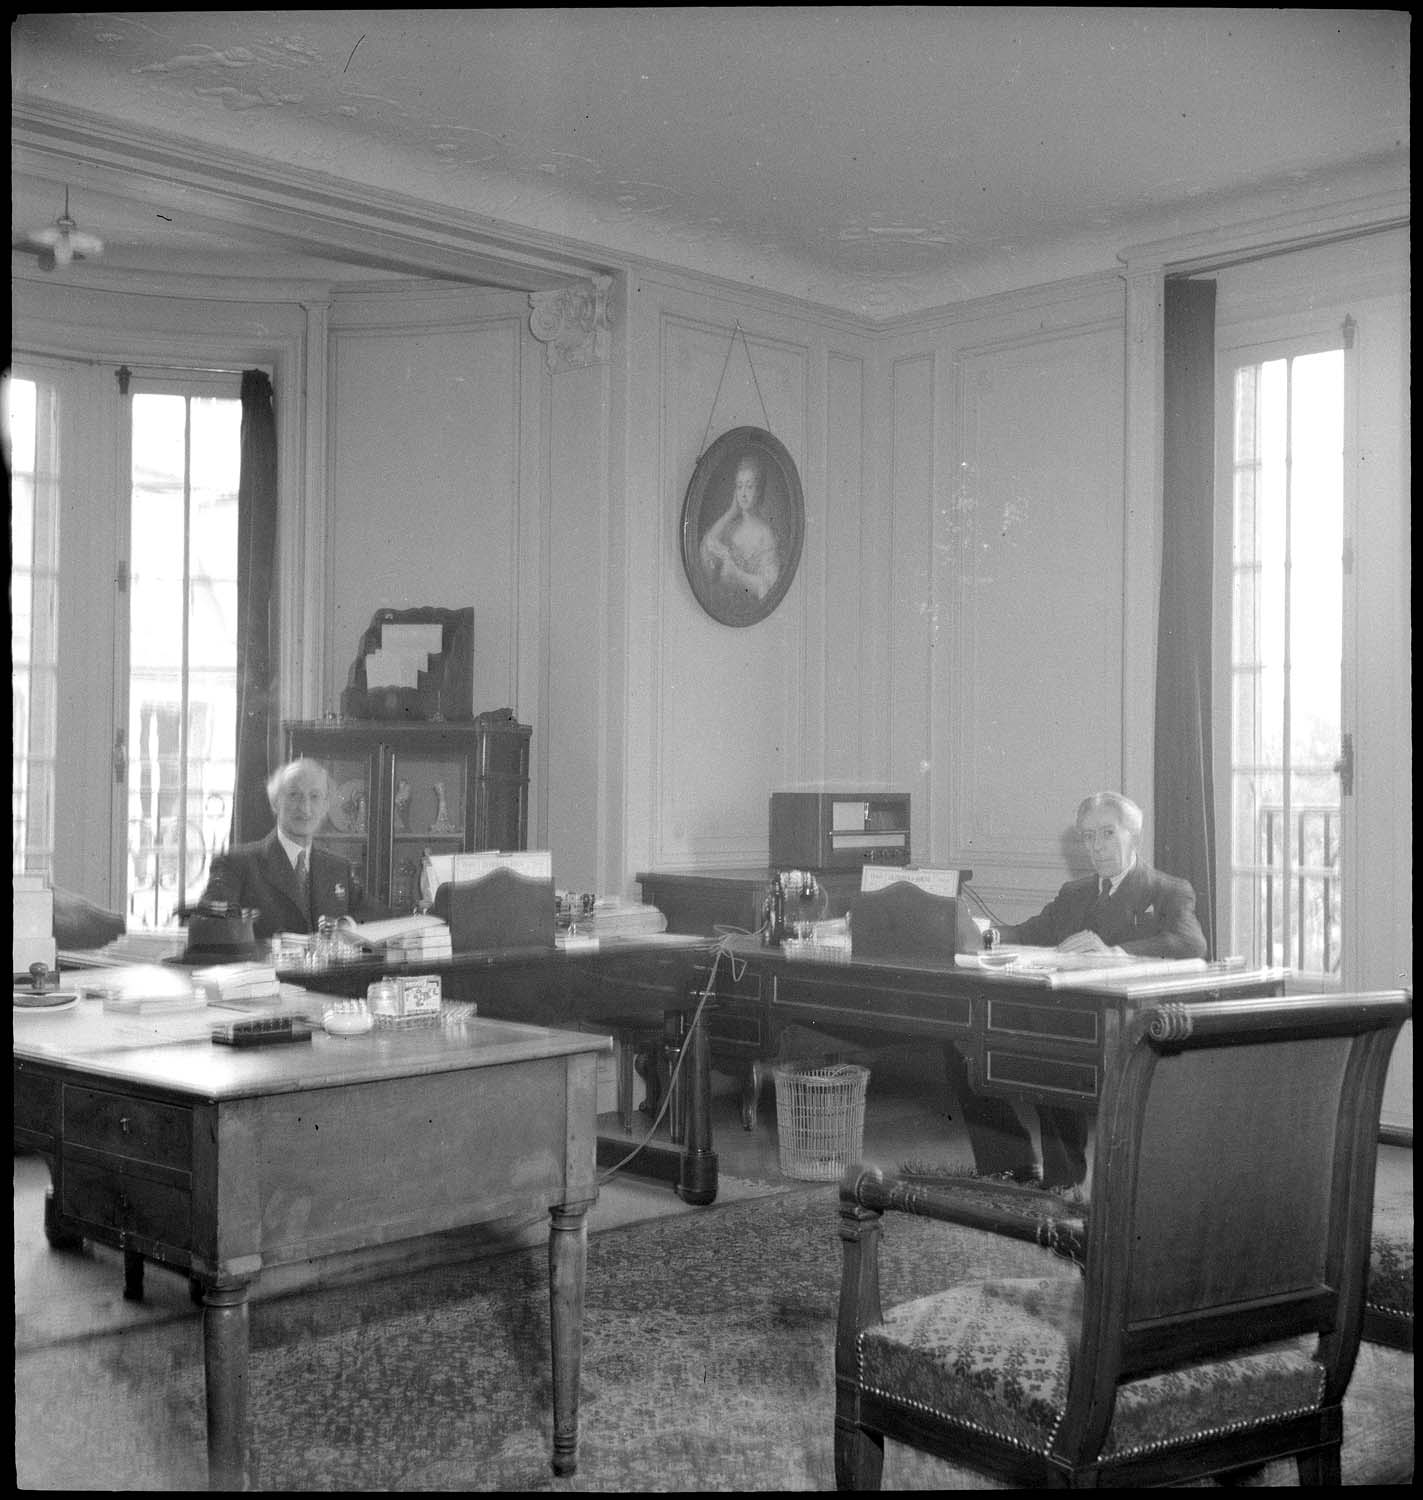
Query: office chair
[{"x": 1217, "y": 1318}]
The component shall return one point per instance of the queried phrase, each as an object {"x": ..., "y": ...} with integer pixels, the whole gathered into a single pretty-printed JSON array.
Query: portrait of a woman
[
  {"x": 741, "y": 527},
  {"x": 739, "y": 551}
]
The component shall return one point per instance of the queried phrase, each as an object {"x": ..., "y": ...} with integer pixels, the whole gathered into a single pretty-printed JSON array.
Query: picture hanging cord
[{"x": 730, "y": 346}]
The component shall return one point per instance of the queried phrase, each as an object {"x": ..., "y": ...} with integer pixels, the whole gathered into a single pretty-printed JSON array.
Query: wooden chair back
[{"x": 1232, "y": 1190}]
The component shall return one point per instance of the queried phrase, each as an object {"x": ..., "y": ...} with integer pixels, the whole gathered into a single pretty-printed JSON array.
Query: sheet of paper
[
  {"x": 441, "y": 869},
  {"x": 412, "y": 639},
  {"x": 397, "y": 669},
  {"x": 936, "y": 882}
]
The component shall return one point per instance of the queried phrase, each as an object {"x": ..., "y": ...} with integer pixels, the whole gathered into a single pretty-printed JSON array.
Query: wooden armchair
[{"x": 1217, "y": 1319}]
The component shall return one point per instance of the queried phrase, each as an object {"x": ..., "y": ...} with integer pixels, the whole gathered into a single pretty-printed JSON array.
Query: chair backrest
[
  {"x": 901, "y": 920},
  {"x": 1232, "y": 1187}
]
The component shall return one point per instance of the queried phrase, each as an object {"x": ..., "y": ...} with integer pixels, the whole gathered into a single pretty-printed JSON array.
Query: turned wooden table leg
[
  {"x": 225, "y": 1345},
  {"x": 567, "y": 1274}
]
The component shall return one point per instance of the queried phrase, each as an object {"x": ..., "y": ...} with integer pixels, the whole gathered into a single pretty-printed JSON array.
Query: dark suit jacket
[
  {"x": 259, "y": 877},
  {"x": 1149, "y": 913}
]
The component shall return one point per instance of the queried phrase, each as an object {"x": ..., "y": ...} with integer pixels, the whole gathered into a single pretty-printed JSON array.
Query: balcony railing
[{"x": 1297, "y": 912}]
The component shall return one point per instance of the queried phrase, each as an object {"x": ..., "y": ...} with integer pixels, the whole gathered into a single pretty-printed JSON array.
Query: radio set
[{"x": 839, "y": 830}]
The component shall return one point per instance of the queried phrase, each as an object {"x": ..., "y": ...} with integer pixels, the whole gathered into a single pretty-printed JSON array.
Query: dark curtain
[
  {"x": 1184, "y": 793},
  {"x": 256, "y": 608}
]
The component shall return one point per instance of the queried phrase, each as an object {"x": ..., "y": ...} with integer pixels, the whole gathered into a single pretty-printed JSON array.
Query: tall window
[
  {"x": 182, "y": 647},
  {"x": 1285, "y": 892},
  {"x": 30, "y": 451}
]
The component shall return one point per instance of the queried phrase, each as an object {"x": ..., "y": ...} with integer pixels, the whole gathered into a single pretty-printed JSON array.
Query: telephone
[{"x": 796, "y": 900}]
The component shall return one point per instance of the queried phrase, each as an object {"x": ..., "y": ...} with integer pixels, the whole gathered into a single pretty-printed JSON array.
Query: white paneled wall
[
  {"x": 1006, "y": 629},
  {"x": 426, "y": 486}
]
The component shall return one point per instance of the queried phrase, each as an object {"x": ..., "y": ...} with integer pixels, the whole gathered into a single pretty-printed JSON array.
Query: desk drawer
[
  {"x": 35, "y": 1098},
  {"x": 1048, "y": 1078},
  {"x": 1043, "y": 1019},
  {"x": 103, "y": 1198},
  {"x": 141, "y": 1129},
  {"x": 899, "y": 1007}
]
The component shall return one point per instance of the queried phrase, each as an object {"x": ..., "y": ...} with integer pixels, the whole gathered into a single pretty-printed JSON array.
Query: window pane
[
  {"x": 34, "y": 584},
  {"x": 1286, "y": 657},
  {"x": 183, "y": 646}
]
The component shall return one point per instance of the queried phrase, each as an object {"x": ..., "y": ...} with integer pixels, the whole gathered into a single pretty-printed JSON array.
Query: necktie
[
  {"x": 1106, "y": 889},
  {"x": 303, "y": 883}
]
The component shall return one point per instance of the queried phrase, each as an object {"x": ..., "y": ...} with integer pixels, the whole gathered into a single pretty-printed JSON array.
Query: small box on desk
[
  {"x": 502, "y": 909},
  {"x": 407, "y": 1000}
]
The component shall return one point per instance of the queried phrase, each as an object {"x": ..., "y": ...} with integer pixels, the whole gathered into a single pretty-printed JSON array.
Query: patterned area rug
[{"x": 708, "y": 1366}]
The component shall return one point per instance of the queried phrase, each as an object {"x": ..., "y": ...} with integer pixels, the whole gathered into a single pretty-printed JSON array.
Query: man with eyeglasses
[{"x": 1124, "y": 906}]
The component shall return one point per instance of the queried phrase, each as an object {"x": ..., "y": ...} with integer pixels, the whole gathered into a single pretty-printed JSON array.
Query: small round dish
[
  {"x": 354, "y": 1022},
  {"x": 28, "y": 1003}
]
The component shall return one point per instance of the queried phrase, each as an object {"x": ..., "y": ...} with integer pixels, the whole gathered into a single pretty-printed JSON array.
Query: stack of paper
[
  {"x": 143, "y": 988},
  {"x": 223, "y": 982},
  {"x": 425, "y": 943},
  {"x": 613, "y": 917},
  {"x": 147, "y": 945}
]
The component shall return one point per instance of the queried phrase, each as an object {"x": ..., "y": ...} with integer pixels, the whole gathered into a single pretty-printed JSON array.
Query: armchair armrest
[{"x": 1007, "y": 1208}]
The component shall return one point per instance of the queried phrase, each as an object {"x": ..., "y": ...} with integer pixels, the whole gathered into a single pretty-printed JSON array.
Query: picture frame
[{"x": 743, "y": 525}]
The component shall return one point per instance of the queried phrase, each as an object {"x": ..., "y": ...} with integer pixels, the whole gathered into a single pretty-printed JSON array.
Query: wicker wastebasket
[{"x": 820, "y": 1118}]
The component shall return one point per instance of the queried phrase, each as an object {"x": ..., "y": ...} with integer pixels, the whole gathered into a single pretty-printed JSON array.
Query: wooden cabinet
[{"x": 400, "y": 789}]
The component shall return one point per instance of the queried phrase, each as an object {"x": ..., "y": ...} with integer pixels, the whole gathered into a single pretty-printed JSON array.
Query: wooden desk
[
  {"x": 1019, "y": 1038},
  {"x": 223, "y": 1161},
  {"x": 660, "y": 978}
]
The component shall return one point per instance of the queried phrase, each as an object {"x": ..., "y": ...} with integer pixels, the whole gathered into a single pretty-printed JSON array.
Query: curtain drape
[
  {"x": 1184, "y": 793},
  {"x": 256, "y": 606}
]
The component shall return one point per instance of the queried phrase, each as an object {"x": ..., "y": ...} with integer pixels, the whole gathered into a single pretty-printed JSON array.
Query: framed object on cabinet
[{"x": 743, "y": 523}]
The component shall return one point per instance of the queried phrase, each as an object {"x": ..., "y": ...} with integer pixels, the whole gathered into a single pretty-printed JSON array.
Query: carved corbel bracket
[{"x": 573, "y": 322}]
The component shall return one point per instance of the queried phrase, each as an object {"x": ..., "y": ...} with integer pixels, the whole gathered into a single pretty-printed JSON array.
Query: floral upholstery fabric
[
  {"x": 997, "y": 1356},
  {"x": 1390, "y": 1285}
]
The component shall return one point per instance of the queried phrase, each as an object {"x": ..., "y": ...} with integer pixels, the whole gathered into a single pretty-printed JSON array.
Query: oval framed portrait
[{"x": 743, "y": 523}]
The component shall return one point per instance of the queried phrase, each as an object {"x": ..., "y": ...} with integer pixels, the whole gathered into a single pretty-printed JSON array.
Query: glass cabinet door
[
  {"x": 350, "y": 813},
  {"x": 429, "y": 812}
]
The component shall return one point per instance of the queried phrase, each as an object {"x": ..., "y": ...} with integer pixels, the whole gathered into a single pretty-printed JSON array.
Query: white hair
[
  {"x": 277, "y": 781},
  {"x": 1127, "y": 813}
]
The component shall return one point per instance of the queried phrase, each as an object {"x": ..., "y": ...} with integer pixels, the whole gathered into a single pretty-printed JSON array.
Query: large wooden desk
[
  {"x": 222, "y": 1161},
  {"x": 658, "y": 978},
  {"x": 1019, "y": 1038}
]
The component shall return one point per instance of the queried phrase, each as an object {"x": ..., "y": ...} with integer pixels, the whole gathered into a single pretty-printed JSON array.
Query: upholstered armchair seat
[
  {"x": 996, "y": 1357},
  {"x": 1388, "y": 1301}
]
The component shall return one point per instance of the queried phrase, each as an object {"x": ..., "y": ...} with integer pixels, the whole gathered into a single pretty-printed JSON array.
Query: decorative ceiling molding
[
  {"x": 276, "y": 204},
  {"x": 1279, "y": 234},
  {"x": 573, "y": 323}
]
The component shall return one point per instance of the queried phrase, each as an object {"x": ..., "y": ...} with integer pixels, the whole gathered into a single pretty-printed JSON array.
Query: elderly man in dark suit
[
  {"x": 285, "y": 878},
  {"x": 1124, "y": 906}
]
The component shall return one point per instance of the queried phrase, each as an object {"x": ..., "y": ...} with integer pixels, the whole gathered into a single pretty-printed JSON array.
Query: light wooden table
[{"x": 221, "y": 1161}]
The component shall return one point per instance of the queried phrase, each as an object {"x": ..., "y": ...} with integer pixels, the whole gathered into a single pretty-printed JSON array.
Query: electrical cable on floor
[{"x": 708, "y": 992}]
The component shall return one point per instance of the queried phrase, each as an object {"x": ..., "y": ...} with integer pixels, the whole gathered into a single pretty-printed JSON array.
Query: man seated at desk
[
  {"x": 1125, "y": 906},
  {"x": 289, "y": 882}
]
